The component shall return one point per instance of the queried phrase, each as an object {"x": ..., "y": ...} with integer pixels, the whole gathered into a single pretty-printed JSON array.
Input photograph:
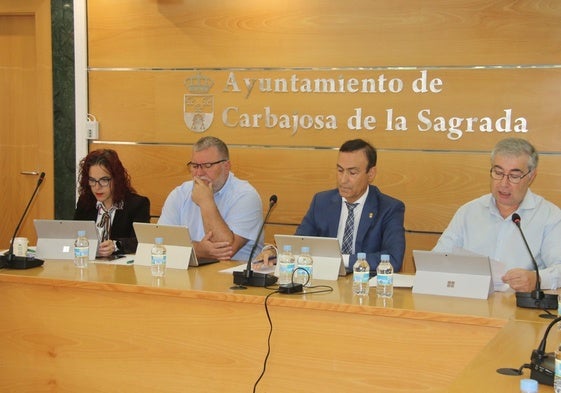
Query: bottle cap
[
  {"x": 528, "y": 385},
  {"x": 287, "y": 247},
  {"x": 385, "y": 257},
  {"x": 81, "y": 233},
  {"x": 305, "y": 249},
  {"x": 361, "y": 255},
  {"x": 159, "y": 240}
]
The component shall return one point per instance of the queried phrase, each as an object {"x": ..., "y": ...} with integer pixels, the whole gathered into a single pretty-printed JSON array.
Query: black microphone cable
[
  {"x": 308, "y": 278},
  {"x": 268, "y": 341},
  {"x": 269, "y": 320}
]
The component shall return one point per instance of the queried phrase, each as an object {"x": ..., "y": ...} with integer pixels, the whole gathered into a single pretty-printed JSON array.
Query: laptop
[
  {"x": 55, "y": 238},
  {"x": 177, "y": 241},
  {"x": 325, "y": 251},
  {"x": 450, "y": 274}
]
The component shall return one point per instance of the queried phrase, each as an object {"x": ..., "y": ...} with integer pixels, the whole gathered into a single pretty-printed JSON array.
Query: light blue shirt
[
  {"x": 478, "y": 226},
  {"x": 239, "y": 205}
]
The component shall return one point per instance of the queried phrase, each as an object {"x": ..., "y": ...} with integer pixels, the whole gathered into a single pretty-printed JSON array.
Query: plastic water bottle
[
  {"x": 286, "y": 265},
  {"x": 158, "y": 258},
  {"x": 81, "y": 250},
  {"x": 557, "y": 377},
  {"x": 384, "y": 274},
  {"x": 528, "y": 386},
  {"x": 361, "y": 275},
  {"x": 305, "y": 267}
]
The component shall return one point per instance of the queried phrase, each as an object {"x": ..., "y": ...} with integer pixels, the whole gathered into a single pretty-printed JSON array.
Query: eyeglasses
[
  {"x": 513, "y": 178},
  {"x": 103, "y": 182},
  {"x": 206, "y": 165}
]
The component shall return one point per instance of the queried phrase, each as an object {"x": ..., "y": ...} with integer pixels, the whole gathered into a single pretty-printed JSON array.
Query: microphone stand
[
  {"x": 12, "y": 261},
  {"x": 248, "y": 277},
  {"x": 537, "y": 298}
]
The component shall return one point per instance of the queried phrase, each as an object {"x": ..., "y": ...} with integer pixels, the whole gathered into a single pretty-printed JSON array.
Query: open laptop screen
[
  {"x": 55, "y": 238},
  {"x": 177, "y": 240},
  {"x": 452, "y": 274},
  {"x": 325, "y": 252}
]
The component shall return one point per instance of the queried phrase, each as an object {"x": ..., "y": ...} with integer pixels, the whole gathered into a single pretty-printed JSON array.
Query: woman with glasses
[
  {"x": 487, "y": 226},
  {"x": 107, "y": 197}
]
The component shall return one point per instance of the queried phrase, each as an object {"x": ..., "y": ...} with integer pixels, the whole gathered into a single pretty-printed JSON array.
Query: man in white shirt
[{"x": 485, "y": 225}]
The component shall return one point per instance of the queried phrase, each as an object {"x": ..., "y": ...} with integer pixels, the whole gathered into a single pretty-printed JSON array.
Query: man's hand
[
  {"x": 206, "y": 248},
  {"x": 202, "y": 190},
  {"x": 520, "y": 280},
  {"x": 267, "y": 257}
]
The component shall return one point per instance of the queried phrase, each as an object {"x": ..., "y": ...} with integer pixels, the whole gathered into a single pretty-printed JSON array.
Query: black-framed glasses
[
  {"x": 513, "y": 178},
  {"x": 103, "y": 182},
  {"x": 206, "y": 165}
]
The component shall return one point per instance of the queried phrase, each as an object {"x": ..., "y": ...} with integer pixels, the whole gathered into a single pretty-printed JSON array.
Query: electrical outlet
[{"x": 92, "y": 129}]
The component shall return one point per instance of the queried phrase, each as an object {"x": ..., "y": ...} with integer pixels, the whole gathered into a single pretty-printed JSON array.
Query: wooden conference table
[{"x": 113, "y": 328}]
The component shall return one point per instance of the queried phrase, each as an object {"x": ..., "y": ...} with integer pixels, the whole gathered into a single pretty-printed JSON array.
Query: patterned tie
[{"x": 349, "y": 229}]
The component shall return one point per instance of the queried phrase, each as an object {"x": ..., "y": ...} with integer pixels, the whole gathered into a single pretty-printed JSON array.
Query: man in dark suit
[
  {"x": 379, "y": 218},
  {"x": 376, "y": 219}
]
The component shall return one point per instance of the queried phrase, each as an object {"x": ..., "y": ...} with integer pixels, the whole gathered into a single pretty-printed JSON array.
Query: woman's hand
[{"x": 106, "y": 248}]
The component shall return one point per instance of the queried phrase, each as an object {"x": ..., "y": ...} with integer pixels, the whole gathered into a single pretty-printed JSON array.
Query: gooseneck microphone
[
  {"x": 542, "y": 364},
  {"x": 12, "y": 261},
  {"x": 537, "y": 298},
  {"x": 248, "y": 277}
]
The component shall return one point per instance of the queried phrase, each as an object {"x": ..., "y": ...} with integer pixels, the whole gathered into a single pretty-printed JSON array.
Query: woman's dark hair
[{"x": 108, "y": 159}]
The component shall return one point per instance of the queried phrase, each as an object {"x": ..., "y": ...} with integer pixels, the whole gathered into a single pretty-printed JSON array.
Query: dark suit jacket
[
  {"x": 136, "y": 208},
  {"x": 380, "y": 229}
]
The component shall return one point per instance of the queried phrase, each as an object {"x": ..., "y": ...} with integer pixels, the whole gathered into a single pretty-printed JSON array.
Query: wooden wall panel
[
  {"x": 147, "y": 106},
  {"x": 290, "y": 33},
  {"x": 432, "y": 185},
  {"x": 493, "y": 57}
]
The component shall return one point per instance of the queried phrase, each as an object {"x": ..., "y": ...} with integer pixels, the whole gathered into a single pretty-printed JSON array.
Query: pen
[{"x": 131, "y": 261}]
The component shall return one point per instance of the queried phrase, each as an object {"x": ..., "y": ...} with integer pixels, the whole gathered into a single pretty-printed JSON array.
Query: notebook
[
  {"x": 55, "y": 238},
  {"x": 325, "y": 251},
  {"x": 451, "y": 274},
  {"x": 177, "y": 241}
]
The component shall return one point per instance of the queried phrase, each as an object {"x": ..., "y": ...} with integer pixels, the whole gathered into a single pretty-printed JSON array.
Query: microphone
[
  {"x": 12, "y": 261},
  {"x": 542, "y": 364},
  {"x": 249, "y": 277},
  {"x": 537, "y": 298}
]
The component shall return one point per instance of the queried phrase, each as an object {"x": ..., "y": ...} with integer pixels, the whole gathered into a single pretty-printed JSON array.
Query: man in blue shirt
[
  {"x": 485, "y": 226},
  {"x": 222, "y": 212}
]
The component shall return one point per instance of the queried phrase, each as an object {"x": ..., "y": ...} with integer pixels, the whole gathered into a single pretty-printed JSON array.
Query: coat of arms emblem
[{"x": 198, "y": 105}]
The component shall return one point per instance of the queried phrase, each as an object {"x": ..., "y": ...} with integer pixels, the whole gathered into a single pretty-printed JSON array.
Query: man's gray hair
[
  {"x": 516, "y": 147},
  {"x": 209, "y": 141}
]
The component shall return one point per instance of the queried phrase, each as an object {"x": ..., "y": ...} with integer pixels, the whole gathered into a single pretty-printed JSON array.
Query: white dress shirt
[{"x": 478, "y": 226}]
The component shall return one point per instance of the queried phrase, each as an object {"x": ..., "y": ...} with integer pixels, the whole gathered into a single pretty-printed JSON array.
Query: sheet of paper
[
  {"x": 346, "y": 260},
  {"x": 127, "y": 260},
  {"x": 399, "y": 280},
  {"x": 257, "y": 267},
  {"x": 498, "y": 269}
]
